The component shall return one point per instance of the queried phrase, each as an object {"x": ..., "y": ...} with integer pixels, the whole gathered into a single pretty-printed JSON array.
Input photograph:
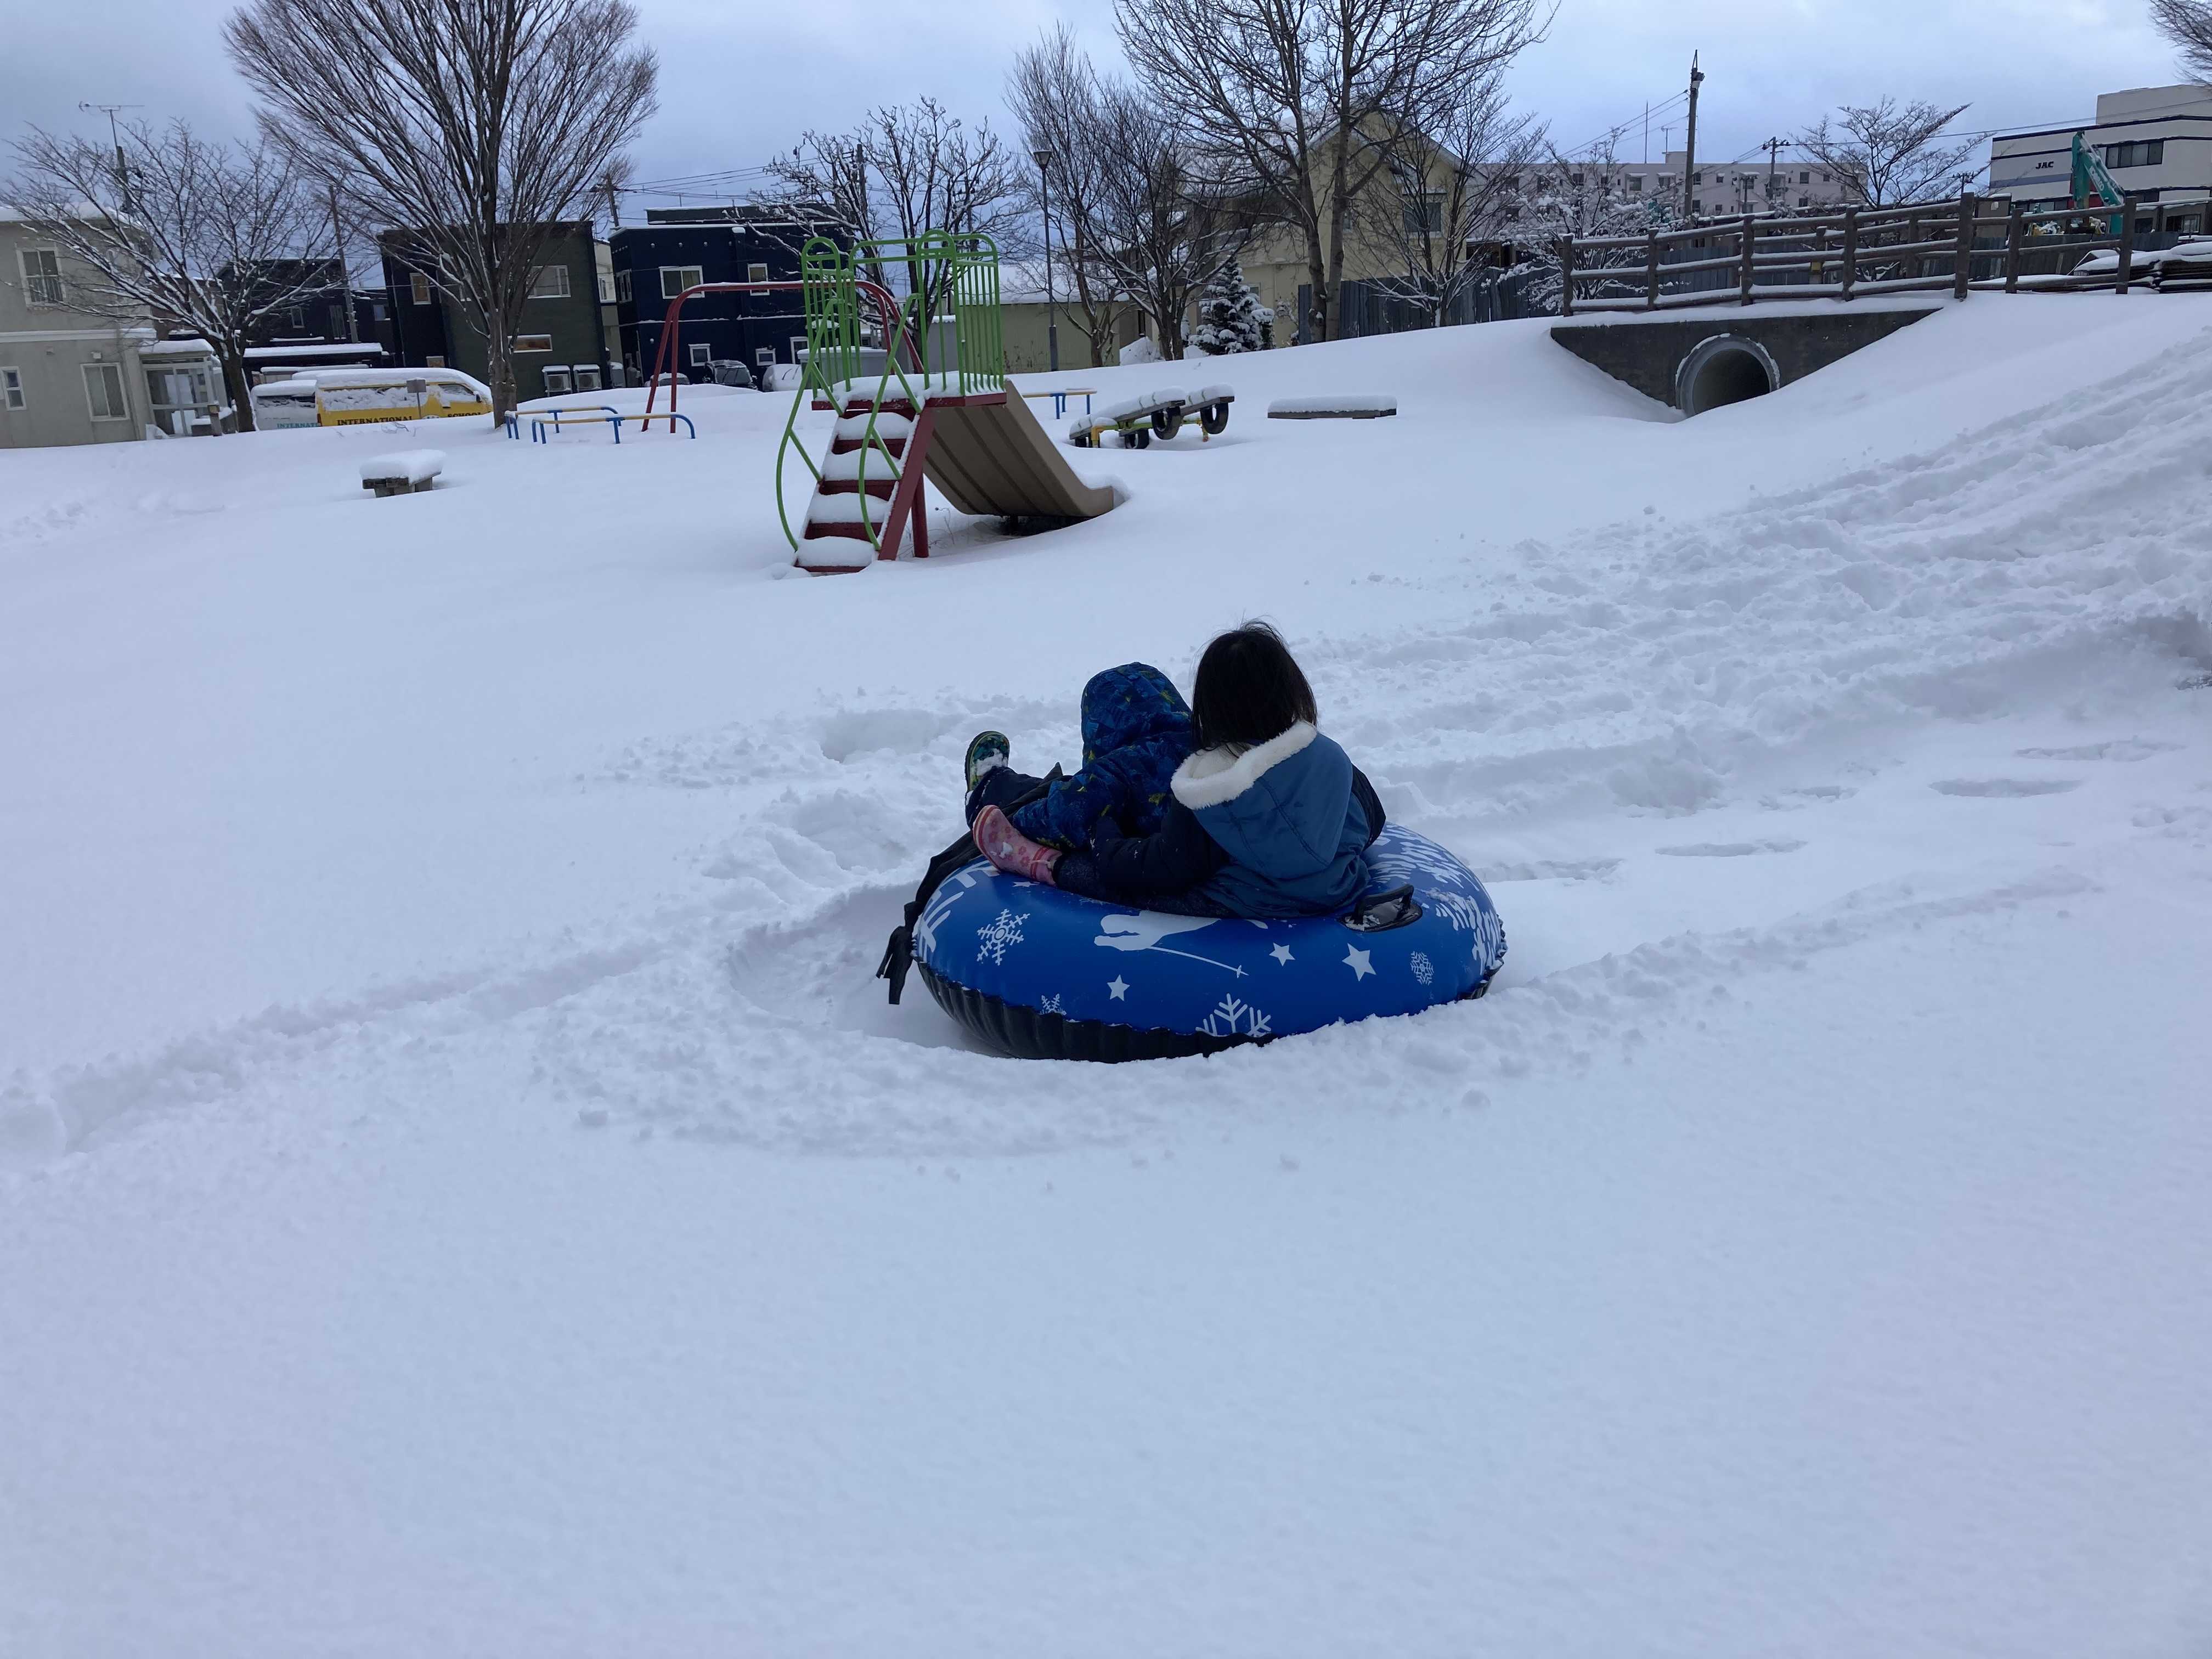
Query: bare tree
[
  {"x": 2188, "y": 24},
  {"x": 1456, "y": 182},
  {"x": 1163, "y": 230},
  {"x": 1057, "y": 96},
  {"x": 1301, "y": 97},
  {"x": 178, "y": 231},
  {"x": 1884, "y": 154},
  {"x": 478, "y": 129},
  {"x": 907, "y": 169},
  {"x": 1585, "y": 196}
]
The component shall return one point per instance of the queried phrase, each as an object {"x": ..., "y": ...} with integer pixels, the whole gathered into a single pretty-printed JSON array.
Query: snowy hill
[{"x": 461, "y": 1190}]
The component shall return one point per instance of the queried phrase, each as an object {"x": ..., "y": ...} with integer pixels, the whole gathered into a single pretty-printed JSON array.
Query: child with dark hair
[{"x": 1266, "y": 818}]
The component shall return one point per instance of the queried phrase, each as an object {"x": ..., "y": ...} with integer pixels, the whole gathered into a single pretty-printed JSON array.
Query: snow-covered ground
[{"x": 462, "y": 1192}]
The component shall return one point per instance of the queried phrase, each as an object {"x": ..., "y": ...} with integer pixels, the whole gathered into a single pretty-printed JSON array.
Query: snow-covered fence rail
[{"x": 1974, "y": 242}]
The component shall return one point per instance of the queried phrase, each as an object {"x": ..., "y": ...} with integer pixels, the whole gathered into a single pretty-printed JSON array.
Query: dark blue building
[{"x": 677, "y": 248}]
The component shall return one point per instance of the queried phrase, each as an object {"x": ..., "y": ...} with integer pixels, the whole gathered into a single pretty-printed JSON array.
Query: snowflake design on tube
[
  {"x": 1050, "y": 1004},
  {"x": 998, "y": 936},
  {"x": 1424, "y": 971},
  {"x": 1231, "y": 1017}
]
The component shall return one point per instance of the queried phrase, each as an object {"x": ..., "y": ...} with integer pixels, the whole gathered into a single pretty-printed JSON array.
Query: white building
[
  {"x": 2156, "y": 141},
  {"x": 1789, "y": 183},
  {"x": 73, "y": 376}
]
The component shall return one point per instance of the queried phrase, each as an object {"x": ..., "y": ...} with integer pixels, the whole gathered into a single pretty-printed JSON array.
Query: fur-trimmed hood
[{"x": 1212, "y": 777}]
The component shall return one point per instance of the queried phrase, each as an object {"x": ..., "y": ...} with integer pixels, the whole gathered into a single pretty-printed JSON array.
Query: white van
[{"x": 279, "y": 404}]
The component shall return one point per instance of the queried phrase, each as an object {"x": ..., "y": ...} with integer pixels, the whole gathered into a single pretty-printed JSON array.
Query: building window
[
  {"x": 701, "y": 354},
  {"x": 757, "y": 273},
  {"x": 674, "y": 279},
  {"x": 1425, "y": 213},
  {"x": 103, "y": 390},
  {"x": 1804, "y": 177},
  {"x": 1636, "y": 184},
  {"x": 548, "y": 283},
  {"x": 11, "y": 388},
  {"x": 587, "y": 377},
  {"x": 533, "y": 342},
  {"x": 557, "y": 383},
  {"x": 418, "y": 289},
  {"x": 42, "y": 276},
  {"x": 2143, "y": 153},
  {"x": 1804, "y": 201},
  {"x": 295, "y": 318},
  {"x": 764, "y": 356},
  {"x": 1697, "y": 207},
  {"x": 622, "y": 286},
  {"x": 606, "y": 289}
]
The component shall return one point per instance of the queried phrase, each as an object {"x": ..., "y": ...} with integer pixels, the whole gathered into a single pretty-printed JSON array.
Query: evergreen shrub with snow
[{"x": 1229, "y": 315}]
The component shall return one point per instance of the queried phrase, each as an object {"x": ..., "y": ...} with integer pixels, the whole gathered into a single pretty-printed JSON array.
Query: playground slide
[{"x": 995, "y": 460}]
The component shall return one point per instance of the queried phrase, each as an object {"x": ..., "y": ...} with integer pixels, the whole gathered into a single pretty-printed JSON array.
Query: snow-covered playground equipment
[
  {"x": 920, "y": 389},
  {"x": 1160, "y": 414},
  {"x": 1042, "y": 975}
]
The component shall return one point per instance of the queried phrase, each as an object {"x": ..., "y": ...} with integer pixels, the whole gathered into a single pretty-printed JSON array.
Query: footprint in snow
[
  {"x": 2004, "y": 788},
  {"x": 1730, "y": 849}
]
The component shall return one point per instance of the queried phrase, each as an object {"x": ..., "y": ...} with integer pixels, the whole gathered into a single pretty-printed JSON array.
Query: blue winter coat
[
  {"x": 1136, "y": 731},
  {"x": 1286, "y": 813}
]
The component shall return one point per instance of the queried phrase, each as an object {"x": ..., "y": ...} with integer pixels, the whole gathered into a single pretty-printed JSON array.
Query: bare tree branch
[
  {"x": 1457, "y": 183},
  {"x": 2188, "y": 24},
  {"x": 475, "y": 129},
  {"x": 1884, "y": 154},
  {"x": 1299, "y": 98},
  {"x": 1055, "y": 93},
  {"x": 907, "y": 169}
]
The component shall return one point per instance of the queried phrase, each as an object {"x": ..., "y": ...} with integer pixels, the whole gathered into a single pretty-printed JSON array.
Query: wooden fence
[{"x": 1958, "y": 246}]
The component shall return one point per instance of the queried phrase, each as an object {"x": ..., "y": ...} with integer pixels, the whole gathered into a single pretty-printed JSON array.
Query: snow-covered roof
[
  {"x": 356, "y": 379},
  {"x": 335, "y": 349},
  {"x": 176, "y": 349}
]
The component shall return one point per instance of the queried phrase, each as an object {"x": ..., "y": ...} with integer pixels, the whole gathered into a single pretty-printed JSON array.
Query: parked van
[
  {"x": 354, "y": 397},
  {"x": 279, "y": 404}
]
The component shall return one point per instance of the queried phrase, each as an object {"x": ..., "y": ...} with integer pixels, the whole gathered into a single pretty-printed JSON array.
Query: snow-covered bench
[
  {"x": 1344, "y": 407},
  {"x": 403, "y": 471}
]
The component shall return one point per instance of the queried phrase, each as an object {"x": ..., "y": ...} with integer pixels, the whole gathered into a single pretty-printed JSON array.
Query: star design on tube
[
  {"x": 1282, "y": 954},
  {"x": 1356, "y": 959},
  {"x": 1118, "y": 988}
]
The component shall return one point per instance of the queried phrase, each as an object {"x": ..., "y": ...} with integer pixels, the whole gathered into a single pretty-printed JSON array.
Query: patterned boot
[
  {"x": 986, "y": 750},
  {"x": 1010, "y": 850}
]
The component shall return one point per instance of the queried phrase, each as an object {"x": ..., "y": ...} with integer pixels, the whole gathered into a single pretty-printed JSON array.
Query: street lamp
[{"x": 1043, "y": 158}]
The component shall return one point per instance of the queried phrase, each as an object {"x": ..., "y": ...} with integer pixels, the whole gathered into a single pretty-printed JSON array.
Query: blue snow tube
[{"x": 1043, "y": 974}]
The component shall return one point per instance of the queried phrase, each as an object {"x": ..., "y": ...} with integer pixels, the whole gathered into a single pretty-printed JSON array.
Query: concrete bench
[
  {"x": 401, "y": 472},
  {"x": 1343, "y": 407}
]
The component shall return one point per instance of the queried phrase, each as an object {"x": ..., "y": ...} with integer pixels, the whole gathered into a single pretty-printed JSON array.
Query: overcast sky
[{"x": 739, "y": 81}]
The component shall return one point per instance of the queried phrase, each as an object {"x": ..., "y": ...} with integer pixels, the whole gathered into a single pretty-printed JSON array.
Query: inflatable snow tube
[{"x": 1042, "y": 975}]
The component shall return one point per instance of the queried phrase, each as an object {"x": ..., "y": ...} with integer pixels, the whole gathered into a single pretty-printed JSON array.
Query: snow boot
[
  {"x": 986, "y": 751},
  {"x": 1010, "y": 850}
]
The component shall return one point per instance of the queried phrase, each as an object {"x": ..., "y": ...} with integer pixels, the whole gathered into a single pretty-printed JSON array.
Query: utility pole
[
  {"x": 115, "y": 137},
  {"x": 1043, "y": 158},
  {"x": 1773, "y": 148},
  {"x": 345, "y": 277},
  {"x": 614, "y": 202},
  {"x": 1690, "y": 144}
]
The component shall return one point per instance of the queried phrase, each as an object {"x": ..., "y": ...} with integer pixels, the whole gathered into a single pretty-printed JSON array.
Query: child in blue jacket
[{"x": 1265, "y": 816}]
